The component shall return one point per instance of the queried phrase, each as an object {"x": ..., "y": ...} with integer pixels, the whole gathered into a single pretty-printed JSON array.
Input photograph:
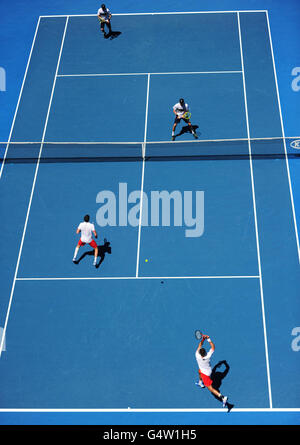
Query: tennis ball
[{"x": 146, "y": 261}]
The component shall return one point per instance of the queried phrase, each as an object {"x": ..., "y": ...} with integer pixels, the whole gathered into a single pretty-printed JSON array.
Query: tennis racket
[
  {"x": 187, "y": 115},
  {"x": 101, "y": 19},
  {"x": 198, "y": 335}
]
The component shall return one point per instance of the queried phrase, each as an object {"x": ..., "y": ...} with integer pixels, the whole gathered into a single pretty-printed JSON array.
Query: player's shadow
[
  {"x": 102, "y": 250},
  {"x": 186, "y": 129},
  {"x": 217, "y": 377},
  {"x": 111, "y": 35}
]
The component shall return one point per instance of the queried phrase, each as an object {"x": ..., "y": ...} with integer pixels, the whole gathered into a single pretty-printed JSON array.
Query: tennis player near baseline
[
  {"x": 181, "y": 110},
  {"x": 205, "y": 370},
  {"x": 86, "y": 229},
  {"x": 104, "y": 16}
]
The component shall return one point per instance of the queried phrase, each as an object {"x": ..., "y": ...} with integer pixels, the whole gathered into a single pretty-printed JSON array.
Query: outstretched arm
[{"x": 206, "y": 337}]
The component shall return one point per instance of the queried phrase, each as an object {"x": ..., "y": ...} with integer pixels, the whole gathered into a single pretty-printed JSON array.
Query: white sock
[
  {"x": 75, "y": 253},
  {"x": 173, "y": 132}
]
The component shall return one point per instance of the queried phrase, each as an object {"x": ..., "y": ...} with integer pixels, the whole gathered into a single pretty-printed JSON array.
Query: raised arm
[
  {"x": 212, "y": 345},
  {"x": 200, "y": 344}
]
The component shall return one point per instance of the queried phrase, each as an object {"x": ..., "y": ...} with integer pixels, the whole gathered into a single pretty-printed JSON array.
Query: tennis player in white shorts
[
  {"x": 104, "y": 15},
  {"x": 179, "y": 110}
]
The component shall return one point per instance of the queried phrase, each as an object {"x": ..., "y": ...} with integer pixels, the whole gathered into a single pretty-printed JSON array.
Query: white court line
[
  {"x": 32, "y": 191},
  {"x": 212, "y": 277},
  {"x": 149, "y": 410},
  {"x": 19, "y": 98},
  {"x": 148, "y": 142},
  {"x": 284, "y": 142},
  {"x": 142, "y": 181},
  {"x": 157, "y": 13},
  {"x": 255, "y": 217},
  {"x": 152, "y": 74}
]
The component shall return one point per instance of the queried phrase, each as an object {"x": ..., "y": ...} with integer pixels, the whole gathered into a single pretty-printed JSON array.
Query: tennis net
[{"x": 259, "y": 148}]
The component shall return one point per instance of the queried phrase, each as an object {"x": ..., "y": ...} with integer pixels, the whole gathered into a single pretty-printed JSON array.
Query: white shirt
[
  {"x": 204, "y": 362},
  {"x": 86, "y": 229},
  {"x": 180, "y": 110},
  {"x": 104, "y": 15}
]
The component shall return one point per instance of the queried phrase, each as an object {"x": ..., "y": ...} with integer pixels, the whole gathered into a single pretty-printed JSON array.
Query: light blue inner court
[
  {"x": 227, "y": 245},
  {"x": 80, "y": 110},
  {"x": 75, "y": 186},
  {"x": 152, "y": 44},
  {"x": 100, "y": 108},
  {"x": 215, "y": 100},
  {"x": 93, "y": 338}
]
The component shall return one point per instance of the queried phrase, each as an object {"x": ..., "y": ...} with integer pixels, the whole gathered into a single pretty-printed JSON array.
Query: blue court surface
[{"x": 118, "y": 339}]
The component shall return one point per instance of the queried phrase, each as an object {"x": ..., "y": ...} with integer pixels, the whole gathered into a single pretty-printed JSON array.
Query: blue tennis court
[{"x": 221, "y": 253}]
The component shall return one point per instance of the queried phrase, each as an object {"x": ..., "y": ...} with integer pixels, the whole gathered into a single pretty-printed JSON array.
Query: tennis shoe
[
  {"x": 200, "y": 384},
  {"x": 173, "y": 138}
]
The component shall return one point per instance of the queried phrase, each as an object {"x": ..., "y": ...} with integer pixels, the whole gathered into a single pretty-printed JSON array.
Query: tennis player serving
[
  {"x": 181, "y": 111},
  {"x": 205, "y": 370}
]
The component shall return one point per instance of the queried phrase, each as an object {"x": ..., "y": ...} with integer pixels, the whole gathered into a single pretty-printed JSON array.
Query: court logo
[
  {"x": 160, "y": 208},
  {"x": 296, "y": 341},
  {"x": 2, "y": 79},
  {"x": 296, "y": 80},
  {"x": 295, "y": 144},
  {"x": 2, "y": 341}
]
